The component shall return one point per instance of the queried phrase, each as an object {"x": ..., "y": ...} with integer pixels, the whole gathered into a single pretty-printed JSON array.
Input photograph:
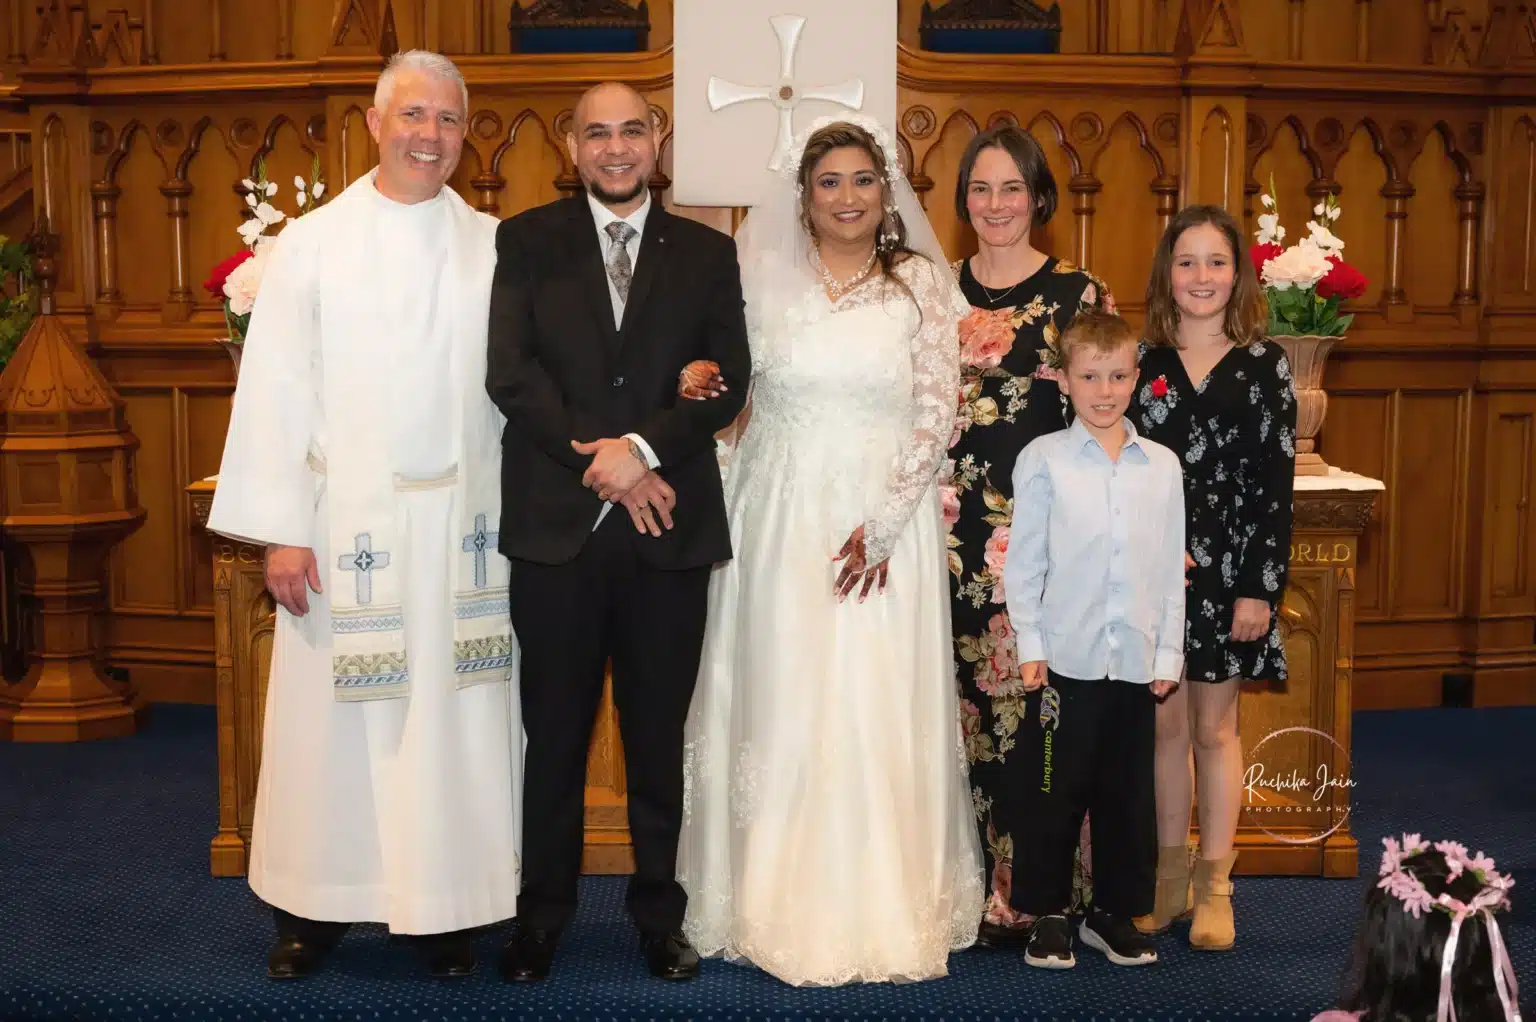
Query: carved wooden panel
[{"x": 1509, "y": 548}]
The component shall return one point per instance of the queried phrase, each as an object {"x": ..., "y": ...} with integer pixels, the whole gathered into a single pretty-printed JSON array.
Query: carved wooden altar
[{"x": 243, "y": 618}]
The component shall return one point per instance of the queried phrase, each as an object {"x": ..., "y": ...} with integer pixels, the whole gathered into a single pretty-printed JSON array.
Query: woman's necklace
[
  {"x": 994, "y": 298},
  {"x": 836, "y": 288}
]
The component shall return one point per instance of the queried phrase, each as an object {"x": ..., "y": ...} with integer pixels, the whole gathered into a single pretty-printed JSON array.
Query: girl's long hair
[{"x": 1247, "y": 315}]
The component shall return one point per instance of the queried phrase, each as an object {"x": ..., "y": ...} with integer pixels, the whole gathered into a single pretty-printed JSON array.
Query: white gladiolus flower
[
  {"x": 319, "y": 189},
  {"x": 1321, "y": 237},
  {"x": 268, "y": 214},
  {"x": 250, "y": 230},
  {"x": 1333, "y": 214},
  {"x": 250, "y": 200},
  {"x": 1299, "y": 266},
  {"x": 271, "y": 188},
  {"x": 1268, "y": 201},
  {"x": 248, "y": 184},
  {"x": 1270, "y": 229},
  {"x": 1319, "y": 209},
  {"x": 298, "y": 182}
]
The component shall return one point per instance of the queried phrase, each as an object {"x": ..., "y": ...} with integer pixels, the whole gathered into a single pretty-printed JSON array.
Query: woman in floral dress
[
  {"x": 1220, "y": 395},
  {"x": 1021, "y": 301}
]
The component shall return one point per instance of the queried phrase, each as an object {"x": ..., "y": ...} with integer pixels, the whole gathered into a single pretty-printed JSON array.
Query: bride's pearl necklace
[{"x": 837, "y": 288}]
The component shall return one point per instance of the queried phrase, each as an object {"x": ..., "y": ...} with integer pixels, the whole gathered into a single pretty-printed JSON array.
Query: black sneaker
[
  {"x": 1118, "y": 938},
  {"x": 1050, "y": 944}
]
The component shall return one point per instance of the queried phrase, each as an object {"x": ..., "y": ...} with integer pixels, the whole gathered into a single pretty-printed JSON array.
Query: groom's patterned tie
[{"x": 620, "y": 269}]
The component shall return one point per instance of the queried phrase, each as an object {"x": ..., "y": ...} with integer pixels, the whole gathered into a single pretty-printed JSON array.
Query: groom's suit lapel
[
  {"x": 592, "y": 275},
  {"x": 655, "y": 249}
]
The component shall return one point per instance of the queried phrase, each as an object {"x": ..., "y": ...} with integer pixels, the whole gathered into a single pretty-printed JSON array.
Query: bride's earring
[{"x": 889, "y": 235}]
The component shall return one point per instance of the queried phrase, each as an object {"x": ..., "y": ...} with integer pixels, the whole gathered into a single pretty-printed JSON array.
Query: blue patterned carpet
[{"x": 107, "y": 910}]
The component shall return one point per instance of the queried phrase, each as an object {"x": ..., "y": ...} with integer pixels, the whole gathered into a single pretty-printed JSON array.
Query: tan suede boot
[
  {"x": 1175, "y": 898},
  {"x": 1213, "y": 928}
]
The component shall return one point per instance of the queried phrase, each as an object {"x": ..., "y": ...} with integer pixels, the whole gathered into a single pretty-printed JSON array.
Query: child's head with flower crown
[{"x": 1430, "y": 899}]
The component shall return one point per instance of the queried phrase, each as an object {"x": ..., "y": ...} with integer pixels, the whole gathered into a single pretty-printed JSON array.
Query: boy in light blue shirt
[{"x": 1095, "y": 587}]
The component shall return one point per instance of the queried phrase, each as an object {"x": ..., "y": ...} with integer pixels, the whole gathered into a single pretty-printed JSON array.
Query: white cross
[
  {"x": 786, "y": 96},
  {"x": 365, "y": 561},
  {"x": 479, "y": 543}
]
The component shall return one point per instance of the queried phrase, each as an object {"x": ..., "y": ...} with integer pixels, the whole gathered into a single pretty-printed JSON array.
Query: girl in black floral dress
[
  {"x": 1021, "y": 301},
  {"x": 1219, "y": 394}
]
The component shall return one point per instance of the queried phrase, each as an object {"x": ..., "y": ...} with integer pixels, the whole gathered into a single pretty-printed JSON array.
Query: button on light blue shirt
[{"x": 1095, "y": 568}]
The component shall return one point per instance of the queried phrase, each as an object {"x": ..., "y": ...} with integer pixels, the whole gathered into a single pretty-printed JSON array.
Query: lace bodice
[{"x": 864, "y": 387}]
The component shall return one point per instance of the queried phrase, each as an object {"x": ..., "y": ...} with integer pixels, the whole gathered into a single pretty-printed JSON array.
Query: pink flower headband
[{"x": 1409, "y": 889}]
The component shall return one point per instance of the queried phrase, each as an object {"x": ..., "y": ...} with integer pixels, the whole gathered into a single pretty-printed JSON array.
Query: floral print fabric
[
  {"x": 1009, "y": 365},
  {"x": 1235, "y": 433}
]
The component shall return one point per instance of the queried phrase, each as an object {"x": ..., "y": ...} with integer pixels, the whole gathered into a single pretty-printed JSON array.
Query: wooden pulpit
[
  {"x": 1296, "y": 734},
  {"x": 244, "y": 618}
]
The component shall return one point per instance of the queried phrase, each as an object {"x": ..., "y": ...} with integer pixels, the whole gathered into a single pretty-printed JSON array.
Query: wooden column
[
  {"x": 1363, "y": 31},
  {"x": 1166, "y": 188},
  {"x": 180, "y": 302},
  {"x": 1083, "y": 188},
  {"x": 284, "y": 29},
  {"x": 1295, "y": 29},
  {"x": 1213, "y": 114},
  {"x": 1394, "y": 299},
  {"x": 109, "y": 300},
  {"x": 489, "y": 186},
  {"x": 216, "y": 32},
  {"x": 1469, "y": 212}
]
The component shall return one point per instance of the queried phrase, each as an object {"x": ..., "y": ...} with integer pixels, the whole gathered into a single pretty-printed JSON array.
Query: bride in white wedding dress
[{"x": 828, "y": 833}]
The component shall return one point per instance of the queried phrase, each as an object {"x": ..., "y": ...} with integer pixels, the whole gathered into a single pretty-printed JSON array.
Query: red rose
[
  {"x": 221, "y": 272},
  {"x": 1342, "y": 281},
  {"x": 1261, "y": 254},
  {"x": 1160, "y": 387}
]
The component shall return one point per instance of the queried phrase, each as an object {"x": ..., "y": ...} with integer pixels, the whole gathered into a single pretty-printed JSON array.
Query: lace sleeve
[{"x": 935, "y": 382}]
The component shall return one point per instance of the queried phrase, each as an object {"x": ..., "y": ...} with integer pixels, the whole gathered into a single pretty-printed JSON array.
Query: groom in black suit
[{"x": 612, "y": 511}]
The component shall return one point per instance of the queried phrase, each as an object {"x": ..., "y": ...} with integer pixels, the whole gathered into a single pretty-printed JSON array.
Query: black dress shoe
[
  {"x": 996, "y": 935},
  {"x": 528, "y": 955},
  {"x": 670, "y": 956},
  {"x": 295, "y": 957},
  {"x": 448, "y": 955}
]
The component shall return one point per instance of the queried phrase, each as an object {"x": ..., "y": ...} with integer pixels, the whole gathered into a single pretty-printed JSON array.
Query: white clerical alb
[
  {"x": 409, "y": 290},
  {"x": 361, "y": 429}
]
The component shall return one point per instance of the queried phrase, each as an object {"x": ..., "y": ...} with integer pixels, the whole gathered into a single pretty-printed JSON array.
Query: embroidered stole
[{"x": 364, "y": 577}]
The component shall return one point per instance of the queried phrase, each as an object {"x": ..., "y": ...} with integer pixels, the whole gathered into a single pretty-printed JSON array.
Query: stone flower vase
[
  {"x": 234, "y": 348},
  {"x": 1307, "y": 354}
]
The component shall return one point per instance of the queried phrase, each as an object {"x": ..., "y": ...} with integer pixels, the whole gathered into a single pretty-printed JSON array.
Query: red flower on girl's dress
[{"x": 1160, "y": 387}]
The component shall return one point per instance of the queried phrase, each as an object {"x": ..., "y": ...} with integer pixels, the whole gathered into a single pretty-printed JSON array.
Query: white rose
[
  {"x": 240, "y": 286},
  {"x": 1299, "y": 266}
]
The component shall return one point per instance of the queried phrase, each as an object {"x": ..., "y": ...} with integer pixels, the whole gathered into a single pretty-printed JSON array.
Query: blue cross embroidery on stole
[
  {"x": 479, "y": 543},
  {"x": 364, "y": 560}
]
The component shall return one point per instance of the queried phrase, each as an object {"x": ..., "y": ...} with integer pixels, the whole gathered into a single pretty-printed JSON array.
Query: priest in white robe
[{"x": 364, "y": 453}]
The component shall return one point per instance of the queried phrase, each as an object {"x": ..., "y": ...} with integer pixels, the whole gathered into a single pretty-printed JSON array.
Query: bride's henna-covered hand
[
  {"x": 700, "y": 381},
  {"x": 854, "y": 551}
]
